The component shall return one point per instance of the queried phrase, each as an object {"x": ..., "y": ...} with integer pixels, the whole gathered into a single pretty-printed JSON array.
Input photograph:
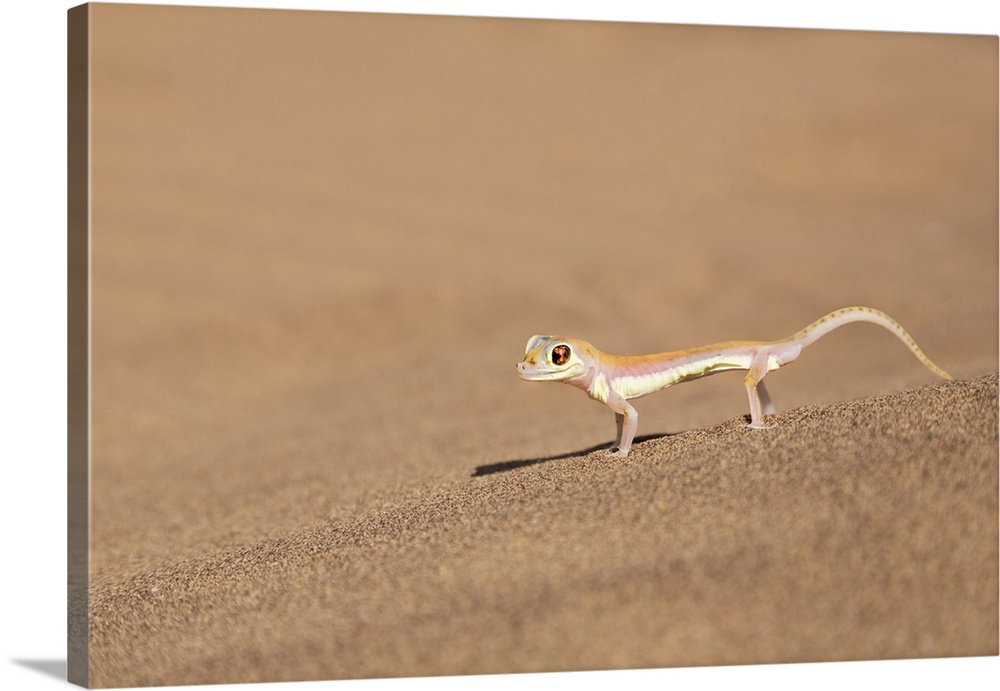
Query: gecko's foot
[
  {"x": 617, "y": 451},
  {"x": 753, "y": 426}
]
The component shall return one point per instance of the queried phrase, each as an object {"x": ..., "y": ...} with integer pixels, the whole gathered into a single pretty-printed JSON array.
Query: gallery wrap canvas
[{"x": 306, "y": 250}]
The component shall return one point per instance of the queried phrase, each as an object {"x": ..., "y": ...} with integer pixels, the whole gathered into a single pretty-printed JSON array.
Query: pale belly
[{"x": 642, "y": 384}]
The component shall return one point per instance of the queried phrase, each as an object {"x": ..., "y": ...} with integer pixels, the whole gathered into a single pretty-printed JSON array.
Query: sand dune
[{"x": 865, "y": 529}]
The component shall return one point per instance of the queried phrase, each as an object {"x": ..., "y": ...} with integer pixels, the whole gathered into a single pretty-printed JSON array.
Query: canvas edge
[{"x": 78, "y": 342}]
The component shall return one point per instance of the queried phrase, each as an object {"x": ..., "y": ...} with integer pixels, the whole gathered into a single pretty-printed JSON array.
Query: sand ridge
[{"x": 865, "y": 529}]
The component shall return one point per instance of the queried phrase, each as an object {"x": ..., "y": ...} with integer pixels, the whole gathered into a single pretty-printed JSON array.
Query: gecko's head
[{"x": 554, "y": 358}]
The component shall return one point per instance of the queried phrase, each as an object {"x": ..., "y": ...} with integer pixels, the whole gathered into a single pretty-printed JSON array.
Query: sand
[
  {"x": 863, "y": 530},
  {"x": 320, "y": 241}
]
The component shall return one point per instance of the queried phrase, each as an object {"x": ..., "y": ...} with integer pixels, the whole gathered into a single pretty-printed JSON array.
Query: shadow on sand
[{"x": 504, "y": 466}]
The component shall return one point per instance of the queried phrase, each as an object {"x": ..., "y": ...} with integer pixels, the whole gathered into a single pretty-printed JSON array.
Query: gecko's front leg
[
  {"x": 619, "y": 421},
  {"x": 627, "y": 419}
]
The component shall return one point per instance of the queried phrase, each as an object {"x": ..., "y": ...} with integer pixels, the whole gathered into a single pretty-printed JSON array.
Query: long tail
[{"x": 838, "y": 318}]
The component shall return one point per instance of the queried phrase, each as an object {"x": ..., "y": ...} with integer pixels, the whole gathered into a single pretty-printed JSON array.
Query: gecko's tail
[{"x": 838, "y": 318}]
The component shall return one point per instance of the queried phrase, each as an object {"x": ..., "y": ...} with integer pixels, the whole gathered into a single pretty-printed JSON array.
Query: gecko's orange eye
[{"x": 560, "y": 355}]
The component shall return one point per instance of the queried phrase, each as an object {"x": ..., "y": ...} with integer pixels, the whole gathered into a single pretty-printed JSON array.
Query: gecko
[{"x": 614, "y": 379}]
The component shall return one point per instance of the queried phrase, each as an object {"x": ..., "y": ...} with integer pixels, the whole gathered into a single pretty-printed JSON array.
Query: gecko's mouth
[{"x": 528, "y": 374}]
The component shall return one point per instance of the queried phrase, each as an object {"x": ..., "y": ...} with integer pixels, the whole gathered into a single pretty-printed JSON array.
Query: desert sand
[{"x": 320, "y": 241}]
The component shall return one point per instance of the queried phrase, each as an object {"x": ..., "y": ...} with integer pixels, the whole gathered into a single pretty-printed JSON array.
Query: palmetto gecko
[{"x": 614, "y": 379}]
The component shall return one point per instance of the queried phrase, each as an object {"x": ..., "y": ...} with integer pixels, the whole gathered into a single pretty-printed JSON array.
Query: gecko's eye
[{"x": 560, "y": 355}]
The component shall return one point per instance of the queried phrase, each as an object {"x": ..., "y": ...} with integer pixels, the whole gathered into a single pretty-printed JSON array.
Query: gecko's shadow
[{"x": 504, "y": 466}]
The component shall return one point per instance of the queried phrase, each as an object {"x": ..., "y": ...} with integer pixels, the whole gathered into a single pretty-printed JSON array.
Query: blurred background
[{"x": 320, "y": 241}]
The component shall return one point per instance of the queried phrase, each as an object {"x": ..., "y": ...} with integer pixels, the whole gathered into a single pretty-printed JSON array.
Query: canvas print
[{"x": 336, "y": 277}]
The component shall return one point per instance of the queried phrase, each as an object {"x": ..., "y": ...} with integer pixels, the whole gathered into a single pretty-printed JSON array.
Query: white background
[{"x": 33, "y": 335}]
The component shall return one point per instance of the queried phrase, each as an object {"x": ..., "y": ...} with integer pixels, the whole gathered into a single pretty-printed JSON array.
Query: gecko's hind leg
[
  {"x": 760, "y": 401},
  {"x": 765, "y": 399}
]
